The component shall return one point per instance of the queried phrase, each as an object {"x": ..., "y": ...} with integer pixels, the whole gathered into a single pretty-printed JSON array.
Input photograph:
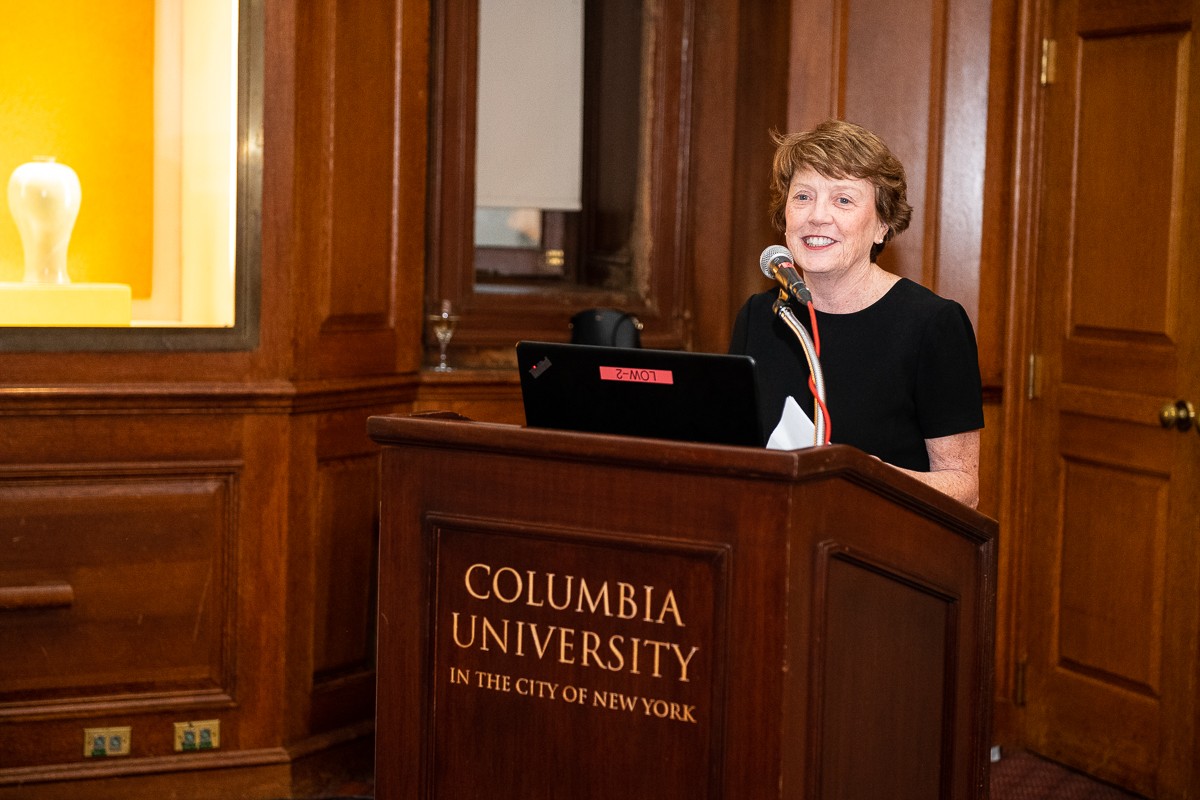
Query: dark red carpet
[
  {"x": 1023, "y": 776},
  {"x": 1016, "y": 776}
]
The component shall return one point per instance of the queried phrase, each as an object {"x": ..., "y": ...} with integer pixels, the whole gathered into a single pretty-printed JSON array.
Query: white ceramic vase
[{"x": 44, "y": 198}]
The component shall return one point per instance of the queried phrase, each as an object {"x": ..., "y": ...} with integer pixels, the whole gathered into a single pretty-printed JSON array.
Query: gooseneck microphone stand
[{"x": 784, "y": 312}]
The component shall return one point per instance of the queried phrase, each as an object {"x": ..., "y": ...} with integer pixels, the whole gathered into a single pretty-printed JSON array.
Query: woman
[{"x": 900, "y": 363}]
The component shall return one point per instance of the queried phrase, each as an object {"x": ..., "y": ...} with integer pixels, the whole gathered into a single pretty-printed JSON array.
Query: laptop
[{"x": 662, "y": 394}]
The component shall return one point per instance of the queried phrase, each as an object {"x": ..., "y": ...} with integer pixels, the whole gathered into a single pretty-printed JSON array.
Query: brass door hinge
[
  {"x": 1047, "y": 67},
  {"x": 1033, "y": 377},
  {"x": 1019, "y": 683}
]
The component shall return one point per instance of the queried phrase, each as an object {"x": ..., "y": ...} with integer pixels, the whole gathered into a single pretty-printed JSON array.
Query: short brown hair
[{"x": 838, "y": 149}]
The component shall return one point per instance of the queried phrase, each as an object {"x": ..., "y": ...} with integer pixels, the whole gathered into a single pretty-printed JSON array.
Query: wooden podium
[{"x": 567, "y": 615}]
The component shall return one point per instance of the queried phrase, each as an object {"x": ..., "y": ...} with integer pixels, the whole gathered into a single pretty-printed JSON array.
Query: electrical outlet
[
  {"x": 196, "y": 736},
  {"x": 106, "y": 742}
]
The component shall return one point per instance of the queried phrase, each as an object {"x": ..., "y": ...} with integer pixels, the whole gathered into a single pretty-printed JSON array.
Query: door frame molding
[{"x": 1023, "y": 22}]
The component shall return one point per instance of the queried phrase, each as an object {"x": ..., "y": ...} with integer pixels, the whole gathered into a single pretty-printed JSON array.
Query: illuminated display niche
[{"x": 141, "y": 99}]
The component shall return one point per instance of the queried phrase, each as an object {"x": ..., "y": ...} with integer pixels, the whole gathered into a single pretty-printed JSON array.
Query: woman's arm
[{"x": 953, "y": 466}]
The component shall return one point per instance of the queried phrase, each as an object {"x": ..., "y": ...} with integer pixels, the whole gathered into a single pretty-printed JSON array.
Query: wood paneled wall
[
  {"x": 206, "y": 521},
  {"x": 213, "y": 513}
]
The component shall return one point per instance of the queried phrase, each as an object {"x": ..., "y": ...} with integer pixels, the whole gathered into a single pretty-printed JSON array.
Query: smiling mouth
[{"x": 817, "y": 241}]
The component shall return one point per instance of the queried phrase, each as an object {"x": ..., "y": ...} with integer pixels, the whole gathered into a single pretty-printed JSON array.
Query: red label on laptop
[{"x": 636, "y": 375}]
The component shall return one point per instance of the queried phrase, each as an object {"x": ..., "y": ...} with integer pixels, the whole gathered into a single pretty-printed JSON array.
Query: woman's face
[{"x": 831, "y": 223}]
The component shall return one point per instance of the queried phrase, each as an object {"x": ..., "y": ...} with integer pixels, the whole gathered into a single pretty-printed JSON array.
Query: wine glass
[{"x": 443, "y": 322}]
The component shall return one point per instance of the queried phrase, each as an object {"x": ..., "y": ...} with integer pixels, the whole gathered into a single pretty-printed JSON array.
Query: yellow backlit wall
[{"x": 77, "y": 83}]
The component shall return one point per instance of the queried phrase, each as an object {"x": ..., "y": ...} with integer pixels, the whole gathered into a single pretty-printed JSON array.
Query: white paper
[{"x": 794, "y": 431}]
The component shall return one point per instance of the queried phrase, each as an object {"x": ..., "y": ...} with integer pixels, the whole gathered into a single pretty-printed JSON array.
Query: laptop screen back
[{"x": 663, "y": 394}]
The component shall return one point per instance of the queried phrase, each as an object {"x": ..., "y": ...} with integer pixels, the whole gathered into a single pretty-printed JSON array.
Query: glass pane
[
  {"x": 529, "y": 104},
  {"x": 559, "y": 139},
  {"x": 138, "y": 100},
  {"x": 508, "y": 227}
]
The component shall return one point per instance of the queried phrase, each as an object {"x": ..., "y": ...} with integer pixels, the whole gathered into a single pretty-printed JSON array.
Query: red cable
[{"x": 812, "y": 386}]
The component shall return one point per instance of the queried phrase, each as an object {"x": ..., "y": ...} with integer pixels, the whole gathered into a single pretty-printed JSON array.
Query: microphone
[{"x": 776, "y": 263}]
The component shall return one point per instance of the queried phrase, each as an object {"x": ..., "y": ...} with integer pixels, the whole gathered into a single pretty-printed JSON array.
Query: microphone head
[{"x": 774, "y": 255}]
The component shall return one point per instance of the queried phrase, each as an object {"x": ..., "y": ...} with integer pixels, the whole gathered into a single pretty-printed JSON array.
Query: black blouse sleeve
[{"x": 949, "y": 390}]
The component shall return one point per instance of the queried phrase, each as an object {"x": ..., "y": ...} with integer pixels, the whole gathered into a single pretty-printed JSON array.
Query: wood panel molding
[
  {"x": 177, "y": 397},
  {"x": 346, "y": 91},
  {"x": 149, "y": 552}
]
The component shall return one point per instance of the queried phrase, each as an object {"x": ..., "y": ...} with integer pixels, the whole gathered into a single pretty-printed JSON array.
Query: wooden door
[{"x": 1114, "y": 506}]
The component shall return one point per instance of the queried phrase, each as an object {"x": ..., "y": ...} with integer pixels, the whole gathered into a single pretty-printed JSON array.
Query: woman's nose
[{"x": 822, "y": 211}]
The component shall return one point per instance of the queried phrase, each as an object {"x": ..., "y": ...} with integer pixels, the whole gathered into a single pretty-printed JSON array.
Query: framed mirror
[
  {"x": 558, "y": 168},
  {"x": 156, "y": 107}
]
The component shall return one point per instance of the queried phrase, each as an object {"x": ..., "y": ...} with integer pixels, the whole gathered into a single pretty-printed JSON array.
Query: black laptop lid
[{"x": 664, "y": 394}]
